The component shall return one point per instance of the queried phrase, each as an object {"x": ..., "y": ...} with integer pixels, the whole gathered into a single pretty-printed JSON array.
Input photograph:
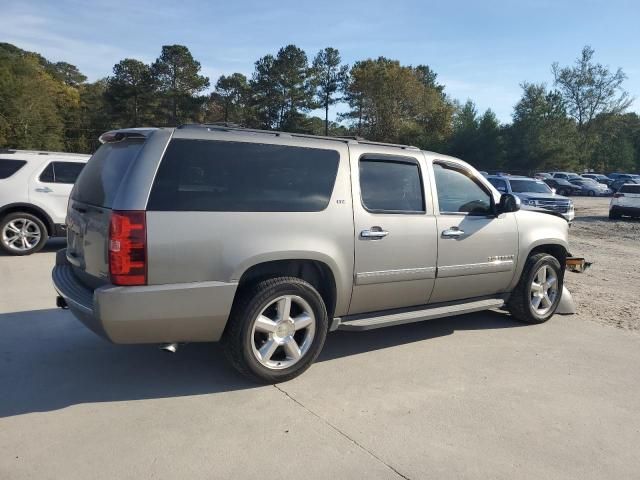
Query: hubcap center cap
[{"x": 284, "y": 329}]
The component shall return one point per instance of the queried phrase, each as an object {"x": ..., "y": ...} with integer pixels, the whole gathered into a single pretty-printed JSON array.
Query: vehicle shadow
[
  {"x": 52, "y": 245},
  {"x": 605, "y": 218},
  {"x": 49, "y": 361}
]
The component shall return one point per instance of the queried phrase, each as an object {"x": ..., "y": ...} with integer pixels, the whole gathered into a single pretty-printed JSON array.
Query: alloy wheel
[
  {"x": 544, "y": 290},
  {"x": 21, "y": 235},
  {"x": 283, "y": 332}
]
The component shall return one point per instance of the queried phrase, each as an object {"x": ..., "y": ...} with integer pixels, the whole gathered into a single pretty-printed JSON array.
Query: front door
[
  {"x": 476, "y": 249},
  {"x": 395, "y": 231}
]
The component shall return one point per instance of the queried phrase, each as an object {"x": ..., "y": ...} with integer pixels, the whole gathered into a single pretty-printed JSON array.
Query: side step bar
[{"x": 400, "y": 317}]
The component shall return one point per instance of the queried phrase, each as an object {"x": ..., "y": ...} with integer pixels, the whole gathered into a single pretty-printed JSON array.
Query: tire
[
  {"x": 613, "y": 215},
  {"x": 263, "y": 351},
  {"x": 521, "y": 303},
  {"x": 22, "y": 234},
  {"x": 591, "y": 193}
]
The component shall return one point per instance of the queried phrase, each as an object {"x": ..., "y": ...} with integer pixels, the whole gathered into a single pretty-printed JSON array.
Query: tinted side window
[
  {"x": 47, "y": 174},
  {"x": 458, "y": 191},
  {"x": 207, "y": 175},
  {"x": 67, "y": 172},
  {"x": 630, "y": 189},
  {"x": 9, "y": 166},
  {"x": 391, "y": 186},
  {"x": 500, "y": 185}
]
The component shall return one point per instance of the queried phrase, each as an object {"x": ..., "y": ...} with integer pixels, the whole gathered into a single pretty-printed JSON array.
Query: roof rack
[{"x": 230, "y": 127}]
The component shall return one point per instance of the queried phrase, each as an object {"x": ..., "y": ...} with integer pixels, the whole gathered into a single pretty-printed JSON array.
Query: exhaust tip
[{"x": 169, "y": 347}]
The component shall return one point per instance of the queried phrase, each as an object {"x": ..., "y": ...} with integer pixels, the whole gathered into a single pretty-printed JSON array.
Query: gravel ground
[{"x": 609, "y": 292}]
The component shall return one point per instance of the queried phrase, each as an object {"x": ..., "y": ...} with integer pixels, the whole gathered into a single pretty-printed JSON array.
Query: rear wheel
[
  {"x": 277, "y": 328},
  {"x": 613, "y": 214},
  {"x": 591, "y": 193},
  {"x": 538, "y": 292},
  {"x": 22, "y": 234}
]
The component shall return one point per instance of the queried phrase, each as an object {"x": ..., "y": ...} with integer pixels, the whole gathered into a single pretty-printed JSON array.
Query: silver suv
[{"x": 266, "y": 241}]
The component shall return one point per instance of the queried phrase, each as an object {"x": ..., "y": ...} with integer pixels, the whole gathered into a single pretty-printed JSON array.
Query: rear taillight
[
  {"x": 618, "y": 195},
  {"x": 128, "y": 248}
]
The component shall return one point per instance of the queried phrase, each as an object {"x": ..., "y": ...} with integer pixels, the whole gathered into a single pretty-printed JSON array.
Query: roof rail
[{"x": 230, "y": 127}]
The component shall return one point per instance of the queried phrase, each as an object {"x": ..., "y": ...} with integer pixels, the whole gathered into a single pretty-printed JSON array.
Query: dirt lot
[{"x": 608, "y": 293}]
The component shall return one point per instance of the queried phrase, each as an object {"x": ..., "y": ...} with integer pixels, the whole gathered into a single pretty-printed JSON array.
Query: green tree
[
  {"x": 233, "y": 94},
  {"x": 177, "y": 75},
  {"x": 329, "y": 76},
  {"x": 590, "y": 89},
  {"x": 282, "y": 89},
  {"x": 390, "y": 102},
  {"x": 542, "y": 137},
  {"x": 66, "y": 73},
  {"x": 130, "y": 92}
]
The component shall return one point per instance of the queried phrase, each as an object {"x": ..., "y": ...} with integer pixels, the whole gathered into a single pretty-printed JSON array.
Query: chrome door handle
[
  {"x": 452, "y": 232},
  {"x": 44, "y": 190},
  {"x": 375, "y": 233}
]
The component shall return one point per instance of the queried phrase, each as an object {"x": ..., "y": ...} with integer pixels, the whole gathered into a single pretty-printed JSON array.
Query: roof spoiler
[{"x": 114, "y": 136}]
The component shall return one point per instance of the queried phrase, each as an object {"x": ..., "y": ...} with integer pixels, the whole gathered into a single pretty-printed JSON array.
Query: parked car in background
[
  {"x": 483, "y": 173},
  {"x": 34, "y": 192},
  {"x": 564, "y": 175},
  {"x": 170, "y": 240},
  {"x": 625, "y": 202},
  {"x": 542, "y": 175},
  {"x": 623, "y": 176},
  {"x": 563, "y": 187},
  {"x": 598, "y": 177},
  {"x": 617, "y": 184},
  {"x": 591, "y": 188},
  {"x": 534, "y": 194}
]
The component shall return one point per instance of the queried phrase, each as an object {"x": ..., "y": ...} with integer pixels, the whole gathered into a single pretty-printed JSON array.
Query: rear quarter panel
[{"x": 220, "y": 246}]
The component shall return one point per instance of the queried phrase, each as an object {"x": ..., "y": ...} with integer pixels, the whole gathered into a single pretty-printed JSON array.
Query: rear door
[
  {"x": 476, "y": 249},
  {"x": 49, "y": 187},
  {"x": 395, "y": 229}
]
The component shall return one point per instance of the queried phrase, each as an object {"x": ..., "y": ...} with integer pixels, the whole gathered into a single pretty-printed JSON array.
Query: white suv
[
  {"x": 34, "y": 192},
  {"x": 626, "y": 201}
]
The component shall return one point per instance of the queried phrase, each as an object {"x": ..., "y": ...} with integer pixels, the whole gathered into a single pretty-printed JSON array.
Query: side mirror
[{"x": 508, "y": 203}]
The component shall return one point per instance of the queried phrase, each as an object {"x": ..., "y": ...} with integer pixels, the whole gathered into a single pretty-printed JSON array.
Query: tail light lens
[
  {"x": 618, "y": 195},
  {"x": 128, "y": 248}
]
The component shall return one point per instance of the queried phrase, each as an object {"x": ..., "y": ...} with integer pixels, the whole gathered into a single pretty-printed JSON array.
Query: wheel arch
[
  {"x": 316, "y": 272},
  {"x": 31, "y": 209}
]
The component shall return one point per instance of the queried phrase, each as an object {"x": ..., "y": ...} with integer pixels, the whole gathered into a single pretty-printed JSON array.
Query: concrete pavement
[{"x": 476, "y": 396}]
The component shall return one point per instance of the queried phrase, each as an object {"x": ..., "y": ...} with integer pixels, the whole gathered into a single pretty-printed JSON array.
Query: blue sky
[{"x": 481, "y": 50}]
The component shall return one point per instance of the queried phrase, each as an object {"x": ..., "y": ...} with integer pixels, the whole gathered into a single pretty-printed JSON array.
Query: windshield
[{"x": 523, "y": 186}]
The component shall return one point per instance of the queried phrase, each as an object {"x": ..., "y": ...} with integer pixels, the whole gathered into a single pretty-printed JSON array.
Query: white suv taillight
[{"x": 128, "y": 248}]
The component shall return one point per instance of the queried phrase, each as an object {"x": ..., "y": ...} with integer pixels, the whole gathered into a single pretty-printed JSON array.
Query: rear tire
[
  {"x": 537, "y": 295},
  {"x": 22, "y": 234},
  {"x": 613, "y": 215},
  {"x": 276, "y": 329},
  {"x": 591, "y": 193}
]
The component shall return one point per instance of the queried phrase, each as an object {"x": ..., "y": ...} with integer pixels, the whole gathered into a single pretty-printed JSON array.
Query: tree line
[{"x": 579, "y": 122}]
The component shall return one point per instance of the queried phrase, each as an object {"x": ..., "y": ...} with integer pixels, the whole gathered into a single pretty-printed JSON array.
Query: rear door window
[
  {"x": 391, "y": 186},
  {"x": 9, "y": 166},
  {"x": 100, "y": 179},
  {"x": 209, "y": 175},
  {"x": 61, "y": 172}
]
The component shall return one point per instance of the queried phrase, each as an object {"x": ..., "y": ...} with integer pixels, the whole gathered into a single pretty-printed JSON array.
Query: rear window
[
  {"x": 207, "y": 175},
  {"x": 630, "y": 189},
  {"x": 9, "y": 166},
  {"x": 98, "y": 182}
]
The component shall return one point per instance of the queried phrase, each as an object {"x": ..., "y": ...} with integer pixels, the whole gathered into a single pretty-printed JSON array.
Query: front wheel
[
  {"x": 276, "y": 329},
  {"x": 536, "y": 297}
]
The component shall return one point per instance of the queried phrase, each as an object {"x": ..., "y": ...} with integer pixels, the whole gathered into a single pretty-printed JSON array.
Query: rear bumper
[
  {"x": 184, "y": 312},
  {"x": 629, "y": 211}
]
